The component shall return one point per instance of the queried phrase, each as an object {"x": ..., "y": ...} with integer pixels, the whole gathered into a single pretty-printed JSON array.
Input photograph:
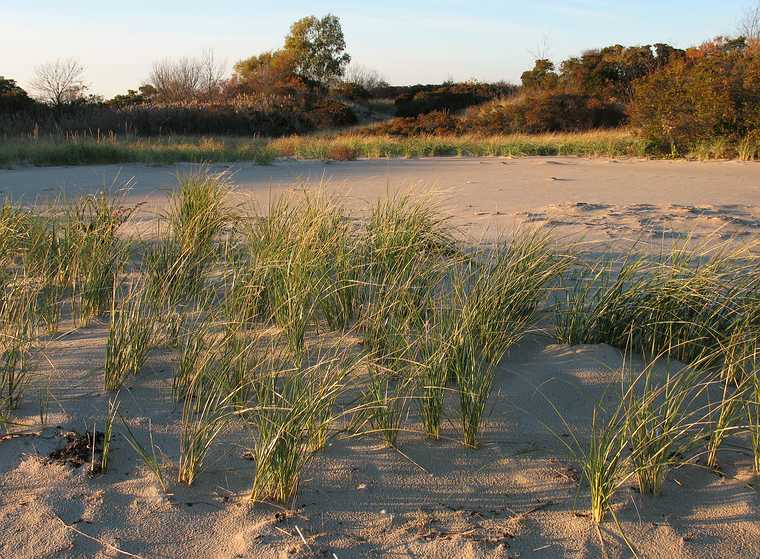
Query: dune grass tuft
[
  {"x": 130, "y": 336},
  {"x": 293, "y": 409}
]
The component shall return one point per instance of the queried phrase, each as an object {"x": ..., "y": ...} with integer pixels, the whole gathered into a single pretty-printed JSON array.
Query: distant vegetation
[
  {"x": 702, "y": 101},
  {"x": 345, "y": 147}
]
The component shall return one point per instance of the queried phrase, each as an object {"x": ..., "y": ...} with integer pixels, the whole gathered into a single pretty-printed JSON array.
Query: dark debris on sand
[{"x": 78, "y": 450}]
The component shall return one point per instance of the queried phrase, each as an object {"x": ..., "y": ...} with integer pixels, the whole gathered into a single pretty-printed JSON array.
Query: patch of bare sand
[
  {"x": 517, "y": 496},
  {"x": 595, "y": 199}
]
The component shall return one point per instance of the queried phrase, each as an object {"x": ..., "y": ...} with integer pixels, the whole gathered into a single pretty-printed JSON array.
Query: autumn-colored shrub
[
  {"x": 544, "y": 112},
  {"x": 451, "y": 98},
  {"x": 437, "y": 123},
  {"x": 713, "y": 92},
  {"x": 329, "y": 113},
  {"x": 609, "y": 74},
  {"x": 341, "y": 152}
]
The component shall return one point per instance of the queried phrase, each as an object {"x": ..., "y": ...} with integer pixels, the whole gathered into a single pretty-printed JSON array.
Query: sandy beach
[
  {"x": 599, "y": 199},
  {"x": 519, "y": 495}
]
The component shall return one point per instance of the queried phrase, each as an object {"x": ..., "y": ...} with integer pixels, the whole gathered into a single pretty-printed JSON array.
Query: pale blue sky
[{"x": 407, "y": 41}]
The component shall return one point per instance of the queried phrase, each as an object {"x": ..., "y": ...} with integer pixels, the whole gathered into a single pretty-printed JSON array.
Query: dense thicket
[
  {"x": 675, "y": 99},
  {"x": 240, "y": 116},
  {"x": 712, "y": 92},
  {"x": 450, "y": 97},
  {"x": 13, "y": 99},
  {"x": 586, "y": 92},
  {"x": 286, "y": 91}
]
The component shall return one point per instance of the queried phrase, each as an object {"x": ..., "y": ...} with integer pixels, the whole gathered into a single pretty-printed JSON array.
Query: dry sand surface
[
  {"x": 517, "y": 496},
  {"x": 598, "y": 199}
]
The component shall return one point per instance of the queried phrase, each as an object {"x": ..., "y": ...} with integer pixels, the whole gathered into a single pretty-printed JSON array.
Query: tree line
[{"x": 674, "y": 97}]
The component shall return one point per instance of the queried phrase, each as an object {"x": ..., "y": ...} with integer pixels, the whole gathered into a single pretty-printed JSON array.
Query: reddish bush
[
  {"x": 437, "y": 123},
  {"x": 329, "y": 113},
  {"x": 713, "y": 92},
  {"x": 544, "y": 112},
  {"x": 341, "y": 153}
]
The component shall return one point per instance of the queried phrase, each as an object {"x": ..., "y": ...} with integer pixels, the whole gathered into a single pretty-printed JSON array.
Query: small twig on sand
[
  {"x": 92, "y": 538},
  {"x": 537, "y": 508},
  {"x": 11, "y": 436},
  {"x": 413, "y": 462},
  {"x": 302, "y": 538}
]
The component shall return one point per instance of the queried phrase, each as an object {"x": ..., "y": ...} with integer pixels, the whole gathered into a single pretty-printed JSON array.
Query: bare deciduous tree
[
  {"x": 176, "y": 80},
  {"x": 212, "y": 73},
  {"x": 366, "y": 77},
  {"x": 188, "y": 78},
  {"x": 60, "y": 82},
  {"x": 749, "y": 27}
]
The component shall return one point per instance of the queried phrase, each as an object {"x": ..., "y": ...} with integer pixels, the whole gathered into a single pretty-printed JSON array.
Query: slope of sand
[{"x": 517, "y": 496}]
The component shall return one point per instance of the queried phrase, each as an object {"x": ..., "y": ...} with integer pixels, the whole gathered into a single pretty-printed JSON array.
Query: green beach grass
[{"x": 90, "y": 150}]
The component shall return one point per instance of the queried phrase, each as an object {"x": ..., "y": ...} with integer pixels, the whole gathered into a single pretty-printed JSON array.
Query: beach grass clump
[
  {"x": 300, "y": 268},
  {"x": 685, "y": 302},
  {"x": 293, "y": 409},
  {"x": 739, "y": 369},
  {"x": 597, "y": 302},
  {"x": 393, "y": 315},
  {"x": 206, "y": 412},
  {"x": 662, "y": 421},
  {"x": 269, "y": 236},
  {"x": 40, "y": 253},
  {"x": 295, "y": 296},
  {"x": 407, "y": 248},
  {"x": 401, "y": 230},
  {"x": 692, "y": 303},
  {"x": 18, "y": 324},
  {"x": 198, "y": 214},
  {"x": 95, "y": 252},
  {"x": 604, "y": 463},
  {"x": 496, "y": 295},
  {"x": 240, "y": 356},
  {"x": 386, "y": 402},
  {"x": 604, "y": 460},
  {"x": 432, "y": 370},
  {"x": 32, "y": 247},
  {"x": 240, "y": 303},
  {"x": 194, "y": 342},
  {"x": 130, "y": 336}
]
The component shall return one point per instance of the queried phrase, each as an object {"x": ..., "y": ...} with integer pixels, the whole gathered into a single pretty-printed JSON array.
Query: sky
[{"x": 407, "y": 41}]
